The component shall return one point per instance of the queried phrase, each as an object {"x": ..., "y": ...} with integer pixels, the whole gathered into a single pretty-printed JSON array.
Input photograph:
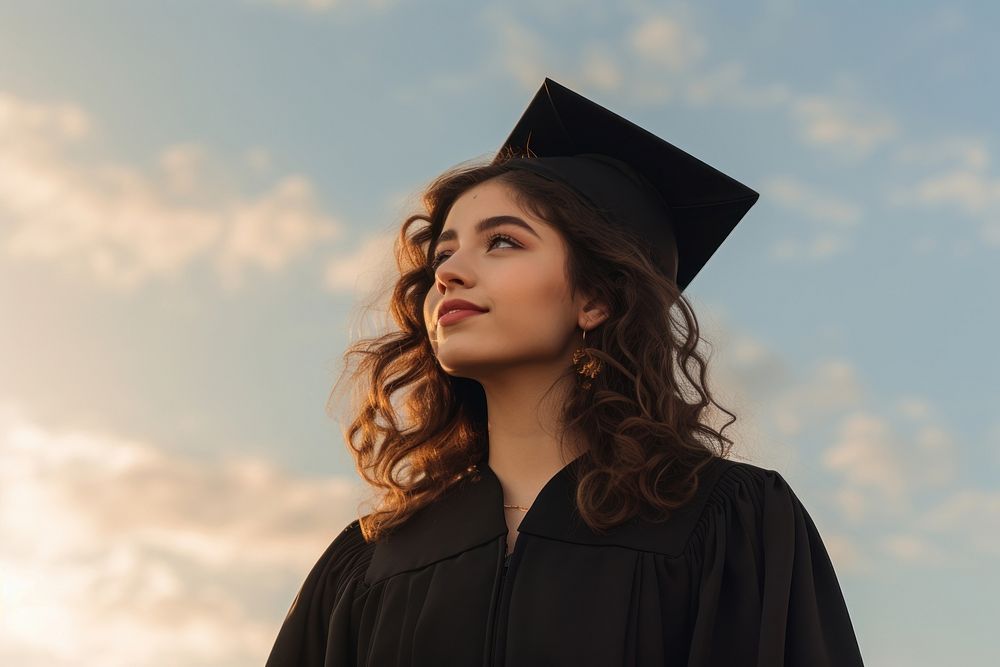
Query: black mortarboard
[{"x": 682, "y": 206}]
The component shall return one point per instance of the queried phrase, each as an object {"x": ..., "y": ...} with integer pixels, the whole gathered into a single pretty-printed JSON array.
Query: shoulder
[
  {"x": 749, "y": 500},
  {"x": 349, "y": 546},
  {"x": 725, "y": 481},
  {"x": 333, "y": 583},
  {"x": 764, "y": 579},
  {"x": 741, "y": 483},
  {"x": 732, "y": 477},
  {"x": 343, "y": 562},
  {"x": 722, "y": 485}
]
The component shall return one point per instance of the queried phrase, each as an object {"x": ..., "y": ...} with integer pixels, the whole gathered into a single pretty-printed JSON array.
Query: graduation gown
[{"x": 739, "y": 576}]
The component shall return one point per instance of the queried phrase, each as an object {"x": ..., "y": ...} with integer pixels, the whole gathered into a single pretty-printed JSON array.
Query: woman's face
[{"x": 518, "y": 277}]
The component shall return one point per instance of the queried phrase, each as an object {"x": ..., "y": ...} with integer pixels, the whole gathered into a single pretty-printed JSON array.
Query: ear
[{"x": 592, "y": 313}]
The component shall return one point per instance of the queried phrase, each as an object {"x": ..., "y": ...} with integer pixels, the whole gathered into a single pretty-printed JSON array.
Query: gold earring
[{"x": 588, "y": 369}]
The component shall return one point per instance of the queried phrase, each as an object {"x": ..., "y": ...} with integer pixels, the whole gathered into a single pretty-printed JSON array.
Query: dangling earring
[{"x": 590, "y": 368}]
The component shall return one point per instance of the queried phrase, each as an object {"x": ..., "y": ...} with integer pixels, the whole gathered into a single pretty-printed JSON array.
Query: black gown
[{"x": 739, "y": 576}]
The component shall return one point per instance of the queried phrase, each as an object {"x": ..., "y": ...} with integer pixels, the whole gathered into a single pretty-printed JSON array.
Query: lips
[
  {"x": 458, "y": 304},
  {"x": 455, "y": 316}
]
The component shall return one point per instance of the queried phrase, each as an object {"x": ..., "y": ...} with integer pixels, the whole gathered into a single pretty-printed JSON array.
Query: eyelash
[{"x": 497, "y": 236}]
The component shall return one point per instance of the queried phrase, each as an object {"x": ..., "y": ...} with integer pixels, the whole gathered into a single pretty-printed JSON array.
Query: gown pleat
[{"x": 739, "y": 577}]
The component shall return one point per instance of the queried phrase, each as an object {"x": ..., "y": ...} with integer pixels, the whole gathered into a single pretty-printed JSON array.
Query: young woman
[{"x": 551, "y": 490}]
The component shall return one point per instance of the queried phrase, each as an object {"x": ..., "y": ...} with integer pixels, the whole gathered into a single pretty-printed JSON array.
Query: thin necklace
[{"x": 518, "y": 507}]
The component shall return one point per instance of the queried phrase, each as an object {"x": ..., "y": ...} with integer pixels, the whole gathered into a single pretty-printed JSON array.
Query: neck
[{"x": 524, "y": 432}]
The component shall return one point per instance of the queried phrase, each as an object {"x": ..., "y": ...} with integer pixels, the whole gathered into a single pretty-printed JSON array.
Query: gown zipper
[{"x": 503, "y": 602}]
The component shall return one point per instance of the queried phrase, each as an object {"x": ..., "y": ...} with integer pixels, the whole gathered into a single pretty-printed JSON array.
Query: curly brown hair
[{"x": 647, "y": 436}]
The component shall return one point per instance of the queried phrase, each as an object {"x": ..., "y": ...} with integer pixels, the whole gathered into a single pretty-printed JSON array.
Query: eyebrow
[{"x": 489, "y": 223}]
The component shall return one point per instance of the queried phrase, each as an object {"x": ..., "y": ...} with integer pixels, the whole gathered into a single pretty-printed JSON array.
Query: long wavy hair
[{"x": 417, "y": 431}]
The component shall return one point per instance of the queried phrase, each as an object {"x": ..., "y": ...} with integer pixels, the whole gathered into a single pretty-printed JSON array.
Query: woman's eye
[{"x": 440, "y": 257}]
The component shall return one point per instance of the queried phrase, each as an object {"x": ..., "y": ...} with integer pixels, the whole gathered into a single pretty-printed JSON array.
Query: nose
[
  {"x": 442, "y": 285},
  {"x": 449, "y": 272}
]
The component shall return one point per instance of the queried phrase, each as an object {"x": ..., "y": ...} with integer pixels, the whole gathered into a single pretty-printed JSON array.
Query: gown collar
[{"x": 471, "y": 515}]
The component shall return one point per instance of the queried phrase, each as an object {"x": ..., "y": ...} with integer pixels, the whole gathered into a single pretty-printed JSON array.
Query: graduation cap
[{"x": 683, "y": 207}]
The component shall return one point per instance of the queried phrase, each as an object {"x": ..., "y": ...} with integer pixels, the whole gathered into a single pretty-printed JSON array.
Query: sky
[{"x": 196, "y": 198}]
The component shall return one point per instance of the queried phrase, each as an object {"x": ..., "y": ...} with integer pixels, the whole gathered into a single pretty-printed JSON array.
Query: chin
[{"x": 467, "y": 366}]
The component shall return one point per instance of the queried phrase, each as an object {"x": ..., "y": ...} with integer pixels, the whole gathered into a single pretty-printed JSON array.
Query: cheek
[
  {"x": 429, "y": 319},
  {"x": 535, "y": 303},
  {"x": 430, "y": 303},
  {"x": 427, "y": 315}
]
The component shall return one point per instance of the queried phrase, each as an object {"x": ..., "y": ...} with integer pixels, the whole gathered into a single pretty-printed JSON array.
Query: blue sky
[{"x": 196, "y": 197}]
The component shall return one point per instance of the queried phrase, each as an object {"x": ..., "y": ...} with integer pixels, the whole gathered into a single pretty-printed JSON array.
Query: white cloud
[
  {"x": 834, "y": 215},
  {"x": 668, "y": 42},
  {"x": 965, "y": 185},
  {"x": 970, "y": 190},
  {"x": 118, "y": 551},
  {"x": 832, "y": 386},
  {"x": 899, "y": 475},
  {"x": 842, "y": 124},
  {"x": 810, "y": 201},
  {"x": 269, "y": 230},
  {"x": 910, "y": 548},
  {"x": 727, "y": 84},
  {"x": 181, "y": 165},
  {"x": 258, "y": 159},
  {"x": 822, "y": 246},
  {"x": 993, "y": 442},
  {"x": 966, "y": 521},
  {"x": 364, "y": 270},
  {"x": 968, "y": 152},
  {"x": 520, "y": 51},
  {"x": 38, "y": 124},
  {"x": 847, "y": 553},
  {"x": 321, "y": 6},
  {"x": 123, "y": 228},
  {"x": 640, "y": 66},
  {"x": 914, "y": 407},
  {"x": 890, "y": 467},
  {"x": 665, "y": 55},
  {"x": 853, "y": 504},
  {"x": 865, "y": 457},
  {"x": 600, "y": 68},
  {"x": 775, "y": 408}
]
